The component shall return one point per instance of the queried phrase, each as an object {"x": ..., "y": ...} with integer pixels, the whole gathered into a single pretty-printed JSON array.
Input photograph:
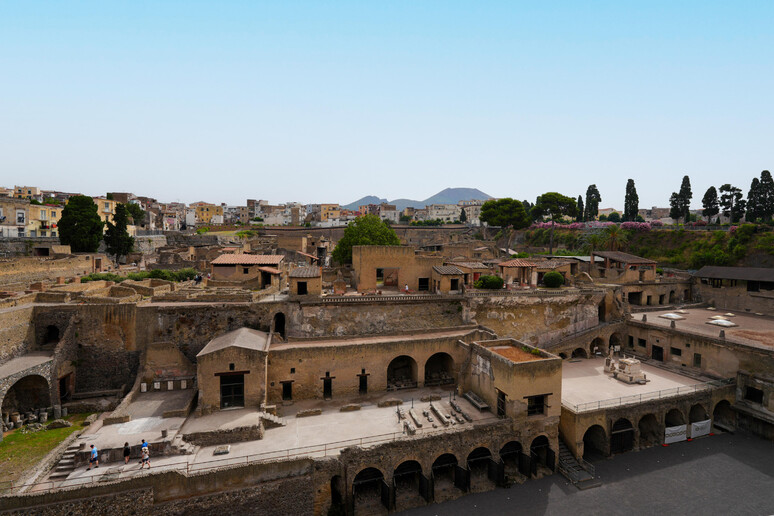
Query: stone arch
[
  {"x": 723, "y": 415},
  {"x": 697, "y": 413},
  {"x": 278, "y": 325},
  {"x": 563, "y": 356},
  {"x": 367, "y": 490},
  {"x": 337, "y": 492},
  {"x": 616, "y": 339},
  {"x": 579, "y": 353},
  {"x": 539, "y": 449},
  {"x": 406, "y": 479},
  {"x": 402, "y": 373},
  {"x": 27, "y": 393},
  {"x": 595, "y": 444},
  {"x": 621, "y": 436},
  {"x": 439, "y": 369},
  {"x": 650, "y": 431},
  {"x": 478, "y": 466},
  {"x": 509, "y": 454},
  {"x": 672, "y": 297},
  {"x": 674, "y": 418},
  {"x": 443, "y": 477},
  {"x": 599, "y": 344}
]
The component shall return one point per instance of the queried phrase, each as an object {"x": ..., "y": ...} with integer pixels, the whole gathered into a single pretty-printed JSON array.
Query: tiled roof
[
  {"x": 248, "y": 259},
  {"x": 241, "y": 338},
  {"x": 552, "y": 264},
  {"x": 305, "y": 272},
  {"x": 270, "y": 270},
  {"x": 517, "y": 263},
  {"x": 470, "y": 265},
  {"x": 313, "y": 257},
  {"x": 618, "y": 256},
  {"x": 446, "y": 270},
  {"x": 736, "y": 273}
]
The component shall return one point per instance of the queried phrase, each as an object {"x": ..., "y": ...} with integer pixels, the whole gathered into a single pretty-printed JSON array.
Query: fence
[
  {"x": 188, "y": 468},
  {"x": 648, "y": 396}
]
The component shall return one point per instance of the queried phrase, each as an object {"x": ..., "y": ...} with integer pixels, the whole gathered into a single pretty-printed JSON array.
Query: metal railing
[
  {"x": 188, "y": 468},
  {"x": 648, "y": 396}
]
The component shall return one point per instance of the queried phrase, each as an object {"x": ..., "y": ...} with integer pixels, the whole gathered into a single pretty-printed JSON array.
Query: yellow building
[
  {"x": 26, "y": 192},
  {"x": 329, "y": 211},
  {"x": 106, "y": 208},
  {"x": 43, "y": 220},
  {"x": 207, "y": 213}
]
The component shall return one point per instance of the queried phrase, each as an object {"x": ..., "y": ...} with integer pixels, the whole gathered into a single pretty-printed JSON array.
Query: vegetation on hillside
[{"x": 162, "y": 274}]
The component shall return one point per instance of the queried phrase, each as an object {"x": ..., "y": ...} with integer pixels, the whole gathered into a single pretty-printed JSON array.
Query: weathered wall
[
  {"x": 410, "y": 266},
  {"x": 16, "y": 332},
  {"x": 736, "y": 298},
  {"x": 249, "y": 362},
  {"x": 30, "y": 270}
]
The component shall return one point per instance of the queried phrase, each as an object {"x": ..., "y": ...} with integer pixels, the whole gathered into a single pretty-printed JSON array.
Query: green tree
[
  {"x": 614, "y": 217},
  {"x": 732, "y": 202},
  {"x": 137, "y": 213},
  {"x": 117, "y": 240},
  {"x": 710, "y": 203},
  {"x": 80, "y": 226},
  {"x": 554, "y": 206},
  {"x": 631, "y": 202},
  {"x": 489, "y": 282},
  {"x": 463, "y": 216},
  {"x": 614, "y": 237},
  {"x": 766, "y": 195},
  {"x": 366, "y": 230},
  {"x": 592, "y": 241},
  {"x": 580, "y": 216},
  {"x": 592, "y": 203},
  {"x": 553, "y": 279},
  {"x": 505, "y": 212},
  {"x": 754, "y": 201}
]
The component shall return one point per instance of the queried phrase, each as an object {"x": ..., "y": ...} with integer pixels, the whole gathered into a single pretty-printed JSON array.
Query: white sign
[
  {"x": 700, "y": 428},
  {"x": 675, "y": 434}
]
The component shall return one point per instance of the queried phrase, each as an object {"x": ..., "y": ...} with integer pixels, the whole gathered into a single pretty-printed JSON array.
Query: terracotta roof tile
[
  {"x": 447, "y": 270},
  {"x": 517, "y": 263},
  {"x": 305, "y": 272},
  {"x": 248, "y": 259}
]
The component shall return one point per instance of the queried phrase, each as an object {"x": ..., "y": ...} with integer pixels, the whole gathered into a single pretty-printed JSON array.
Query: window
[
  {"x": 676, "y": 352},
  {"x": 697, "y": 360},
  {"x": 642, "y": 343},
  {"x": 536, "y": 405},
  {"x": 20, "y": 232},
  {"x": 42, "y": 214},
  {"x": 753, "y": 395},
  {"x": 631, "y": 341},
  {"x": 292, "y": 370},
  {"x": 20, "y": 217},
  {"x": 107, "y": 206},
  {"x": 245, "y": 270},
  {"x": 53, "y": 214},
  {"x": 424, "y": 284}
]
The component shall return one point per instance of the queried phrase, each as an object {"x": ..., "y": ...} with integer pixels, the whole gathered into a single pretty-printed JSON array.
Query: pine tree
[
  {"x": 766, "y": 196},
  {"x": 710, "y": 203},
  {"x": 732, "y": 202},
  {"x": 685, "y": 198},
  {"x": 631, "y": 202},
  {"x": 592, "y": 203},
  {"x": 675, "y": 206},
  {"x": 463, "y": 216},
  {"x": 754, "y": 205},
  {"x": 117, "y": 239},
  {"x": 581, "y": 213}
]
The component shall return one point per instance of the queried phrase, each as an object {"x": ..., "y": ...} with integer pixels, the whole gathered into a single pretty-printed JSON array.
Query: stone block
[
  {"x": 183, "y": 384},
  {"x": 309, "y": 412},
  {"x": 392, "y": 402},
  {"x": 170, "y": 385},
  {"x": 350, "y": 407},
  {"x": 58, "y": 423},
  {"x": 143, "y": 387}
]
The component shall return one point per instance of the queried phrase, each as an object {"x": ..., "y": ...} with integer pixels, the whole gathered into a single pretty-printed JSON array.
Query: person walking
[
  {"x": 93, "y": 458},
  {"x": 127, "y": 452},
  {"x": 143, "y": 447},
  {"x": 145, "y": 458}
]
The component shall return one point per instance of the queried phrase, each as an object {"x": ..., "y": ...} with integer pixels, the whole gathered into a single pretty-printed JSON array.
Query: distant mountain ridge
[{"x": 446, "y": 196}]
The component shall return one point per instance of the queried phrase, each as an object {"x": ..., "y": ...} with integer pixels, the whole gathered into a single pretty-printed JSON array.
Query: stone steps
[{"x": 66, "y": 464}]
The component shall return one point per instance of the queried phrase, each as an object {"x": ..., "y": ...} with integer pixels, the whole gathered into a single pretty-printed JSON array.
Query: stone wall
[
  {"x": 16, "y": 332},
  {"x": 12, "y": 247},
  {"x": 22, "y": 271}
]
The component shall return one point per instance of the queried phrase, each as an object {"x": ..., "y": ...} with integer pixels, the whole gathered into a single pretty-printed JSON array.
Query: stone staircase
[
  {"x": 272, "y": 421},
  {"x": 580, "y": 473},
  {"x": 66, "y": 464}
]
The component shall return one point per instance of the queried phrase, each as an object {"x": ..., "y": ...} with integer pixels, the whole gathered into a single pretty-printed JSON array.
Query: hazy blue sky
[{"x": 330, "y": 101}]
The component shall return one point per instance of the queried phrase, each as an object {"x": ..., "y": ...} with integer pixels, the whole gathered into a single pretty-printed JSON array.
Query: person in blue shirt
[{"x": 93, "y": 458}]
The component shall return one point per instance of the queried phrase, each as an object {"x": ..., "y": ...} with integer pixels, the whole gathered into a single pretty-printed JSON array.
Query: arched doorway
[
  {"x": 367, "y": 491},
  {"x": 622, "y": 436},
  {"x": 439, "y": 370},
  {"x": 51, "y": 336},
  {"x": 616, "y": 342},
  {"x": 672, "y": 297},
  {"x": 478, "y": 466},
  {"x": 650, "y": 431},
  {"x": 406, "y": 480},
  {"x": 337, "y": 495},
  {"x": 402, "y": 373},
  {"x": 674, "y": 418},
  {"x": 443, "y": 477},
  {"x": 563, "y": 356},
  {"x": 597, "y": 346},
  {"x": 279, "y": 324},
  {"x": 541, "y": 453},
  {"x": 595, "y": 443},
  {"x": 723, "y": 416},
  {"x": 602, "y": 312},
  {"x": 579, "y": 353},
  {"x": 697, "y": 413},
  {"x": 509, "y": 454},
  {"x": 27, "y": 394}
]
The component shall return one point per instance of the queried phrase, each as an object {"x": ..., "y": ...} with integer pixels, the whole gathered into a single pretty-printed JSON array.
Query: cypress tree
[{"x": 631, "y": 202}]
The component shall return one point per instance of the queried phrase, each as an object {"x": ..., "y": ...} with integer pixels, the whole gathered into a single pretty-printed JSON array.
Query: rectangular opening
[
  {"x": 642, "y": 343},
  {"x": 631, "y": 341},
  {"x": 424, "y": 284},
  {"x": 302, "y": 290},
  {"x": 500, "y": 403},
  {"x": 363, "y": 387},
  {"x": 657, "y": 353},
  {"x": 536, "y": 405},
  {"x": 753, "y": 395},
  {"x": 327, "y": 388},
  {"x": 697, "y": 360},
  {"x": 287, "y": 391},
  {"x": 661, "y": 299},
  {"x": 634, "y": 298},
  {"x": 676, "y": 352},
  {"x": 455, "y": 284},
  {"x": 232, "y": 390},
  {"x": 245, "y": 270}
]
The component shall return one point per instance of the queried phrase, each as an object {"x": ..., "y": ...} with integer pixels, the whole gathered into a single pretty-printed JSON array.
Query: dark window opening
[
  {"x": 697, "y": 360},
  {"x": 287, "y": 391},
  {"x": 677, "y": 352},
  {"x": 302, "y": 288},
  {"x": 245, "y": 270},
  {"x": 642, "y": 343},
  {"x": 536, "y": 405},
  {"x": 500, "y": 403},
  {"x": 232, "y": 391},
  {"x": 455, "y": 284},
  {"x": 424, "y": 284},
  {"x": 753, "y": 395},
  {"x": 631, "y": 341},
  {"x": 292, "y": 370}
]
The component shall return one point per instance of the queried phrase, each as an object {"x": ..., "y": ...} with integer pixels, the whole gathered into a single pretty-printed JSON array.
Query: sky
[{"x": 329, "y": 101}]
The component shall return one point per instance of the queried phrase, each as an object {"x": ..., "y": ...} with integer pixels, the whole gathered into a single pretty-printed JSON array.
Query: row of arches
[
  {"x": 402, "y": 371},
  {"x": 598, "y": 345},
  {"x": 597, "y": 444},
  {"x": 411, "y": 485}
]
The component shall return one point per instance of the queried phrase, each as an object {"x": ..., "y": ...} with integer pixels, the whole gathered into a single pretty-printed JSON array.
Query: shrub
[
  {"x": 553, "y": 279},
  {"x": 102, "y": 276},
  {"x": 489, "y": 282}
]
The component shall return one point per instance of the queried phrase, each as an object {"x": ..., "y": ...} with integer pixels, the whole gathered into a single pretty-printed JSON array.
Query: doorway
[
  {"x": 363, "y": 387},
  {"x": 232, "y": 391},
  {"x": 287, "y": 390},
  {"x": 302, "y": 289},
  {"x": 500, "y": 403},
  {"x": 657, "y": 353},
  {"x": 455, "y": 284},
  {"x": 327, "y": 388}
]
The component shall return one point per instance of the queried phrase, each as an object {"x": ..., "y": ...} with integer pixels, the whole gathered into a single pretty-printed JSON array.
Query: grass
[{"x": 19, "y": 452}]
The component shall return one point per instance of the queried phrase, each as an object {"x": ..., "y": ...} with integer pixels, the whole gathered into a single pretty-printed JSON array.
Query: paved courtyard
[
  {"x": 752, "y": 330},
  {"x": 717, "y": 475}
]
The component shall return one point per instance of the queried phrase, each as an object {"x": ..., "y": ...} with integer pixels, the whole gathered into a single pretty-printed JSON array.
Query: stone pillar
[{"x": 57, "y": 411}]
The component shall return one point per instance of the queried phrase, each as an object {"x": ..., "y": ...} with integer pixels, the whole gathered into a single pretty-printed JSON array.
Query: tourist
[
  {"x": 407, "y": 289},
  {"x": 143, "y": 447},
  {"x": 145, "y": 458},
  {"x": 93, "y": 458},
  {"x": 127, "y": 452}
]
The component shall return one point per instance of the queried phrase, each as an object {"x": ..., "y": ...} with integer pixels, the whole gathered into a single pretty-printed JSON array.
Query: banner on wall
[
  {"x": 700, "y": 428},
  {"x": 675, "y": 434}
]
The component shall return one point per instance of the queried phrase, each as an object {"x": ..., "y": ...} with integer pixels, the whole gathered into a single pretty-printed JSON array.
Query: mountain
[{"x": 447, "y": 196}]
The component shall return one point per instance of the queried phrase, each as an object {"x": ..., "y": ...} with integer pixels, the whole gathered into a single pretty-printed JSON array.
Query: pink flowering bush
[
  {"x": 732, "y": 230},
  {"x": 636, "y": 226},
  {"x": 656, "y": 223}
]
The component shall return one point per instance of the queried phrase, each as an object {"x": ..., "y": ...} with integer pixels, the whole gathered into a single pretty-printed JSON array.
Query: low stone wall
[{"x": 233, "y": 435}]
